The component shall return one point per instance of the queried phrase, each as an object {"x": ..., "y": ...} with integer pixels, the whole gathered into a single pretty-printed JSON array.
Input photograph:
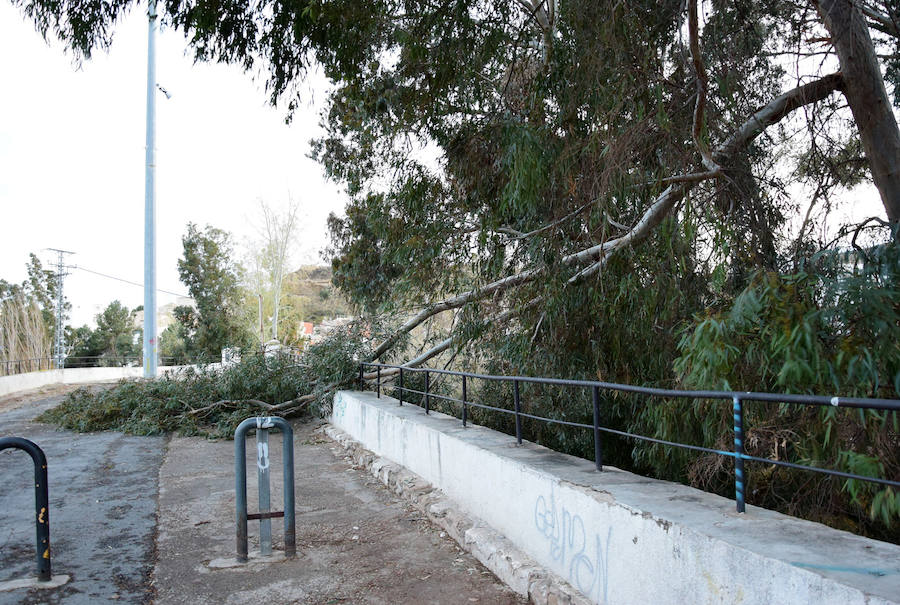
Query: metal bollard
[
  {"x": 262, "y": 424},
  {"x": 41, "y": 502}
]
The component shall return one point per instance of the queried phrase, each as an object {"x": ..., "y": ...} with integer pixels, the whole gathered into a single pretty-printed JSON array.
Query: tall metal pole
[
  {"x": 59, "y": 312},
  {"x": 59, "y": 345},
  {"x": 150, "y": 341}
]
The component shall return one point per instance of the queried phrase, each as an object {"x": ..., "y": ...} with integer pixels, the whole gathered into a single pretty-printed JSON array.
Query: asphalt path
[
  {"x": 143, "y": 520},
  {"x": 103, "y": 502}
]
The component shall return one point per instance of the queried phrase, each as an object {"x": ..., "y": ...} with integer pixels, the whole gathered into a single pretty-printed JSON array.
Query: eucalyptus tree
[{"x": 574, "y": 181}]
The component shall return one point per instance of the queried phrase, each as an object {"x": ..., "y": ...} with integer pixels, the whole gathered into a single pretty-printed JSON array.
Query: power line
[{"x": 127, "y": 281}]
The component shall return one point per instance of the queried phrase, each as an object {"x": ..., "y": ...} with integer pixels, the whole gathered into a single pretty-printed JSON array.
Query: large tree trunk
[{"x": 868, "y": 99}]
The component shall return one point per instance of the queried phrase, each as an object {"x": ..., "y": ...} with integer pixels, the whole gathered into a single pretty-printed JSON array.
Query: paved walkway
[
  {"x": 356, "y": 541},
  {"x": 102, "y": 509}
]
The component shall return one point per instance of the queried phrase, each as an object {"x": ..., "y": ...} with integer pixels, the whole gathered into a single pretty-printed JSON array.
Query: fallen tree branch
[
  {"x": 448, "y": 342},
  {"x": 773, "y": 112},
  {"x": 222, "y": 402},
  {"x": 599, "y": 254}
]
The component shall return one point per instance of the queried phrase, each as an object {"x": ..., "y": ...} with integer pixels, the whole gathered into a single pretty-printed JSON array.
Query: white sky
[{"x": 72, "y": 158}]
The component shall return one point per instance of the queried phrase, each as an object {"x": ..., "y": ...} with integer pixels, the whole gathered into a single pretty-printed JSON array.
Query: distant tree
[
  {"x": 270, "y": 257},
  {"x": 86, "y": 347},
  {"x": 28, "y": 315},
  {"x": 41, "y": 287},
  {"x": 23, "y": 335},
  {"x": 115, "y": 327},
  {"x": 213, "y": 280}
]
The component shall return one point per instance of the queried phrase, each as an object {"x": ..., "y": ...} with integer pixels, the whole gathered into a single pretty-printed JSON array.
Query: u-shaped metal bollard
[
  {"x": 41, "y": 502},
  {"x": 262, "y": 424}
]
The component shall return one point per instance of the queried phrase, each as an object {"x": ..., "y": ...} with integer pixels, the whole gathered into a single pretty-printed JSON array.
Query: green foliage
[
  {"x": 832, "y": 329},
  {"x": 476, "y": 142},
  {"x": 151, "y": 407},
  {"x": 208, "y": 270},
  {"x": 175, "y": 401},
  {"x": 114, "y": 338}
]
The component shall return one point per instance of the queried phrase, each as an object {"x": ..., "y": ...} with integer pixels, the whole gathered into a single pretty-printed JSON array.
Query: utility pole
[
  {"x": 59, "y": 347},
  {"x": 150, "y": 341}
]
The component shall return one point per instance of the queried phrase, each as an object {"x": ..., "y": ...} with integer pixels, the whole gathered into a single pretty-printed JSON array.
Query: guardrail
[
  {"x": 38, "y": 364},
  {"x": 738, "y": 399}
]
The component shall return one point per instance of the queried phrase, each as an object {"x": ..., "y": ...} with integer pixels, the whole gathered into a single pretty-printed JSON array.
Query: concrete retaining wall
[
  {"x": 617, "y": 537},
  {"x": 34, "y": 380}
]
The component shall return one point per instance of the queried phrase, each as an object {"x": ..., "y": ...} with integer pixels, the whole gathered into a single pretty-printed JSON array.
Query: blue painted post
[
  {"x": 598, "y": 452},
  {"x": 739, "y": 485},
  {"x": 516, "y": 405},
  {"x": 465, "y": 407}
]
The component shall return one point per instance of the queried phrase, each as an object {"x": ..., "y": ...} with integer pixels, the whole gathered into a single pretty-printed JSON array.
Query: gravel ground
[{"x": 356, "y": 541}]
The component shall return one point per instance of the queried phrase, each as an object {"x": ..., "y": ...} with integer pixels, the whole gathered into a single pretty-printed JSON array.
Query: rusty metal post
[
  {"x": 262, "y": 423},
  {"x": 41, "y": 502}
]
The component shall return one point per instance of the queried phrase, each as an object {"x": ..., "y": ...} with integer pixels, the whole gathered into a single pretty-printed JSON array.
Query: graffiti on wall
[{"x": 583, "y": 555}]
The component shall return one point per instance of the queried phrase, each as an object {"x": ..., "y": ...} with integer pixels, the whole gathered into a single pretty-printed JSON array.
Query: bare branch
[
  {"x": 777, "y": 109},
  {"x": 448, "y": 342},
  {"x": 453, "y": 303},
  {"x": 702, "y": 85},
  {"x": 749, "y": 130}
]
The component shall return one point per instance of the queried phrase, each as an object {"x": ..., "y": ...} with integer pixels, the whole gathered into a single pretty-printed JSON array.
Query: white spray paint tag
[
  {"x": 262, "y": 456},
  {"x": 264, "y": 422}
]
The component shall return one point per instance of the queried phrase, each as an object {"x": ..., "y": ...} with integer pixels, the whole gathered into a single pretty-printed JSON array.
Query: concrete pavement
[{"x": 150, "y": 520}]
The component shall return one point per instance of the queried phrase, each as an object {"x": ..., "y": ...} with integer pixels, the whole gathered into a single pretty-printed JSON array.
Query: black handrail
[{"x": 738, "y": 399}]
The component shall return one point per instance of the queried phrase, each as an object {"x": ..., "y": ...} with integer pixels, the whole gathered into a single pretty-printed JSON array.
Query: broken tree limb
[
  {"x": 450, "y": 341},
  {"x": 599, "y": 254},
  {"x": 221, "y": 402},
  {"x": 773, "y": 112}
]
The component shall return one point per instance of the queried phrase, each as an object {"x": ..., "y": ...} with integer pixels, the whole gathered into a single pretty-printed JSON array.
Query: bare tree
[
  {"x": 279, "y": 232},
  {"x": 23, "y": 334}
]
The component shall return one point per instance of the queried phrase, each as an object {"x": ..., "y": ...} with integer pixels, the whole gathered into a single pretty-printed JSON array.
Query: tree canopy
[
  {"x": 208, "y": 270},
  {"x": 636, "y": 191}
]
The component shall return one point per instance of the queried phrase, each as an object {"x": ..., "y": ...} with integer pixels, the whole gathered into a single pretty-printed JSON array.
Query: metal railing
[
  {"x": 40, "y": 364},
  {"x": 738, "y": 399}
]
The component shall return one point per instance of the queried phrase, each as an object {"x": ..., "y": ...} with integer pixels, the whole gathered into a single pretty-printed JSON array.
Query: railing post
[
  {"x": 464, "y": 400},
  {"x": 427, "y": 387},
  {"x": 598, "y": 452},
  {"x": 739, "y": 485},
  {"x": 360, "y": 376},
  {"x": 41, "y": 502},
  {"x": 400, "y": 390},
  {"x": 516, "y": 405},
  {"x": 378, "y": 382}
]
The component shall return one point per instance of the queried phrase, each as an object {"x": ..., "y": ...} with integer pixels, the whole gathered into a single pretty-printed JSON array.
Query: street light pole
[{"x": 150, "y": 340}]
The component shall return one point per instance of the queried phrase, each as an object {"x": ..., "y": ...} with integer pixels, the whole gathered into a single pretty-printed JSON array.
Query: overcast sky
[{"x": 72, "y": 158}]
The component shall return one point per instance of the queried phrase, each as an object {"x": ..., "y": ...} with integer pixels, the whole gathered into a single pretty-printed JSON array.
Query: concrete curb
[{"x": 512, "y": 566}]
